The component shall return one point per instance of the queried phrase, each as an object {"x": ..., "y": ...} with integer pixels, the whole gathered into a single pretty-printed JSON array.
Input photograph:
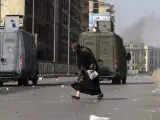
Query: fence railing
[{"x": 51, "y": 69}]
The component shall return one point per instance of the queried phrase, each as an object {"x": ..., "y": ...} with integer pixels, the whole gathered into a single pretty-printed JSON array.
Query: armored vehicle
[
  {"x": 18, "y": 57},
  {"x": 110, "y": 54}
]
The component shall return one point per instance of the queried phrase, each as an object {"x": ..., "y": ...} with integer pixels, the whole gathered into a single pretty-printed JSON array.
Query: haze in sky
[{"x": 138, "y": 20}]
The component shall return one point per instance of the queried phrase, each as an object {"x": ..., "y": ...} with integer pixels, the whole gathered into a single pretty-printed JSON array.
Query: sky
[{"x": 138, "y": 19}]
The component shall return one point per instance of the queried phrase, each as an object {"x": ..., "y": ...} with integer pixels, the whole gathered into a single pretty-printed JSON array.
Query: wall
[{"x": 9, "y": 7}]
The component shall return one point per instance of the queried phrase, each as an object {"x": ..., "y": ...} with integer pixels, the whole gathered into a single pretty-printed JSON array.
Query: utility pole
[
  {"x": 33, "y": 7},
  {"x": 0, "y": 12},
  {"x": 69, "y": 15},
  {"x": 54, "y": 51}
]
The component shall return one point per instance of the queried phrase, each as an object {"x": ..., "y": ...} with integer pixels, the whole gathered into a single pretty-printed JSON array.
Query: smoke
[{"x": 146, "y": 29}]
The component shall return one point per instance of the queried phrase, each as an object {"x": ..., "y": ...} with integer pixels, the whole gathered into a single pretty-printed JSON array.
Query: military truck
[{"x": 109, "y": 52}]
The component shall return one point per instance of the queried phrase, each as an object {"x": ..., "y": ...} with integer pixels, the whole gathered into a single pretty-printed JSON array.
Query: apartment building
[
  {"x": 75, "y": 28},
  {"x": 144, "y": 58},
  {"x": 44, "y": 22},
  {"x": 45, "y": 11},
  {"x": 101, "y": 10},
  {"x": 84, "y": 14}
]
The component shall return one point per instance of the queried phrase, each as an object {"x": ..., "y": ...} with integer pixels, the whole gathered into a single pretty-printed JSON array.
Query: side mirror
[{"x": 128, "y": 56}]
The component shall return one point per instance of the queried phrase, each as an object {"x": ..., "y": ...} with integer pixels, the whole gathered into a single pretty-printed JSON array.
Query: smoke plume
[{"x": 146, "y": 29}]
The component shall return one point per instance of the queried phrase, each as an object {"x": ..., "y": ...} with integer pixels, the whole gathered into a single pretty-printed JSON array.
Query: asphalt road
[{"x": 50, "y": 100}]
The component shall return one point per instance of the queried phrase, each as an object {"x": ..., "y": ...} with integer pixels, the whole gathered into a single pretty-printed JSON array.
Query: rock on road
[{"x": 51, "y": 101}]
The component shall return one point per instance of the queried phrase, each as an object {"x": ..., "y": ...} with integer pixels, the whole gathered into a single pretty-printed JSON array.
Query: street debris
[
  {"x": 33, "y": 86},
  {"x": 40, "y": 78},
  {"x": 95, "y": 101},
  {"x": 60, "y": 78},
  {"x": 115, "y": 108},
  {"x": 62, "y": 96},
  {"x": 156, "y": 90},
  {"x": 134, "y": 100},
  {"x": 33, "y": 93},
  {"x": 93, "y": 117},
  {"x": 50, "y": 113},
  {"x": 115, "y": 90},
  {"x": 77, "y": 113},
  {"x": 62, "y": 86},
  {"x": 153, "y": 111},
  {"x": 7, "y": 89},
  {"x": 17, "y": 110}
]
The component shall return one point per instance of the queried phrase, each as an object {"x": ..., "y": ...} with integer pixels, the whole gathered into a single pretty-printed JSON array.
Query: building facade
[
  {"x": 75, "y": 28},
  {"x": 144, "y": 58},
  {"x": 84, "y": 14},
  {"x": 45, "y": 12},
  {"x": 102, "y": 9}
]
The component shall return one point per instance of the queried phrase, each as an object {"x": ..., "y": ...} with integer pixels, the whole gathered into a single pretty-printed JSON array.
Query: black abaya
[{"x": 86, "y": 85}]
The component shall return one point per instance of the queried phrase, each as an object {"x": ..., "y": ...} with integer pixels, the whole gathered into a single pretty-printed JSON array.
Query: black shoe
[
  {"x": 100, "y": 96},
  {"x": 75, "y": 97}
]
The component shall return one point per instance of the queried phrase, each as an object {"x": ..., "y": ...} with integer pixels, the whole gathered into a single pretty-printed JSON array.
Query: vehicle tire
[
  {"x": 35, "y": 80},
  {"x": 1, "y": 83},
  {"x": 26, "y": 81},
  {"x": 20, "y": 82},
  {"x": 116, "y": 80},
  {"x": 124, "y": 79}
]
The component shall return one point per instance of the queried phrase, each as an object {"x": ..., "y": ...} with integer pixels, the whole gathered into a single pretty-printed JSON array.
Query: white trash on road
[
  {"x": 93, "y": 117},
  {"x": 156, "y": 90}
]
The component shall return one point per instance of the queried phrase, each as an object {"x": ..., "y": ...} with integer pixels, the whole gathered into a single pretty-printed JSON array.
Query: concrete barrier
[{"x": 156, "y": 77}]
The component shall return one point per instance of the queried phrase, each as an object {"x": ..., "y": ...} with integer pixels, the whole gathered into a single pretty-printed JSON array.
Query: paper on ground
[{"x": 93, "y": 117}]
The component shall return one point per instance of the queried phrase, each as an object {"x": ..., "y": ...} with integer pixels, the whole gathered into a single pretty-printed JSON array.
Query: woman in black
[{"x": 86, "y": 61}]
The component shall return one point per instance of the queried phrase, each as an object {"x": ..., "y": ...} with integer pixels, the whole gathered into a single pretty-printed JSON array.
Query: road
[{"x": 50, "y": 100}]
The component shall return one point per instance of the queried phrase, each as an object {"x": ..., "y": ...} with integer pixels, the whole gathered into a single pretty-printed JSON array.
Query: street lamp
[
  {"x": 69, "y": 15},
  {"x": 33, "y": 10},
  {"x": 54, "y": 56}
]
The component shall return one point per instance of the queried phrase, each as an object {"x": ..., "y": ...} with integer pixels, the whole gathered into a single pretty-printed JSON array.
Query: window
[
  {"x": 95, "y": 11},
  {"x": 151, "y": 53},
  {"x": 155, "y": 61},
  {"x": 151, "y": 61},
  {"x": 133, "y": 61},
  {"x": 155, "y": 53},
  {"x": 128, "y": 68},
  {"x": 95, "y": 5}
]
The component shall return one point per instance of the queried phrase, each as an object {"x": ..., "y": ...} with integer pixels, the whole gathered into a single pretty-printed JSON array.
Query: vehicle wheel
[
  {"x": 1, "y": 83},
  {"x": 26, "y": 81},
  {"x": 116, "y": 80},
  {"x": 35, "y": 81},
  {"x": 124, "y": 80},
  {"x": 20, "y": 82}
]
